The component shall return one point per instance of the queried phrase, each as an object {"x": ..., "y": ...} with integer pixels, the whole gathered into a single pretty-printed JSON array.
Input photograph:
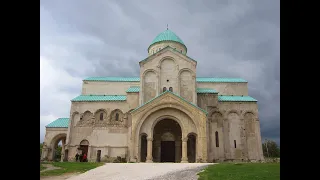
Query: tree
[
  {"x": 270, "y": 149},
  {"x": 58, "y": 153}
]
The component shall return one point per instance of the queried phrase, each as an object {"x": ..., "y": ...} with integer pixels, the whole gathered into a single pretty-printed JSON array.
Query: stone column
[
  {"x": 158, "y": 151},
  {"x": 184, "y": 158},
  {"x": 63, "y": 149},
  {"x": 177, "y": 151},
  {"x": 149, "y": 150}
]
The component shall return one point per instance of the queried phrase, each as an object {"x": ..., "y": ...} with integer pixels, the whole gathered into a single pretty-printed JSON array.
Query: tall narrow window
[
  {"x": 117, "y": 117},
  {"x": 170, "y": 89},
  {"x": 164, "y": 89},
  {"x": 235, "y": 144},
  {"x": 101, "y": 116},
  {"x": 217, "y": 139}
]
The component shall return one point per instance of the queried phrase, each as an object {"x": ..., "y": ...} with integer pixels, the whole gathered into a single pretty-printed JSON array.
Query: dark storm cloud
[{"x": 239, "y": 38}]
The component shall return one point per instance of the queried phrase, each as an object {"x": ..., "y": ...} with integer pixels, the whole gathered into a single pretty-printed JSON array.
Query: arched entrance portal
[
  {"x": 57, "y": 148},
  {"x": 84, "y": 146},
  {"x": 166, "y": 141}
]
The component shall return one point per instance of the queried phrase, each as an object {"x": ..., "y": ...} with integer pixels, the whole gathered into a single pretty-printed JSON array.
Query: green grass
[
  {"x": 42, "y": 167},
  {"x": 70, "y": 167},
  {"x": 241, "y": 171}
]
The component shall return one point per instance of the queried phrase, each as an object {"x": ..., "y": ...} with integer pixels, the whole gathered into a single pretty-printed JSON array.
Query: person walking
[{"x": 77, "y": 157}]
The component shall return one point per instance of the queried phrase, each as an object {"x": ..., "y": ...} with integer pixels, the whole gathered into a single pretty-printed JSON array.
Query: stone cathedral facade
[{"x": 166, "y": 114}]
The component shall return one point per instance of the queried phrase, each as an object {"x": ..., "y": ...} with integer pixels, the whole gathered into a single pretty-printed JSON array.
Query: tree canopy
[{"x": 270, "y": 149}]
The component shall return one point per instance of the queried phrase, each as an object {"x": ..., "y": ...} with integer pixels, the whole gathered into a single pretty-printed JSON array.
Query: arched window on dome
[
  {"x": 101, "y": 116},
  {"x": 164, "y": 89},
  {"x": 171, "y": 89}
]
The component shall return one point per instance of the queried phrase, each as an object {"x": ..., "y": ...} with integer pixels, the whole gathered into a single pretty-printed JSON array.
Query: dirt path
[
  {"x": 50, "y": 167},
  {"x": 61, "y": 177}
]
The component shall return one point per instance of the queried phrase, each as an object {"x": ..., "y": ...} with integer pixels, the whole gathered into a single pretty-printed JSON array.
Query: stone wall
[
  {"x": 238, "y": 129},
  {"x": 171, "y": 69}
]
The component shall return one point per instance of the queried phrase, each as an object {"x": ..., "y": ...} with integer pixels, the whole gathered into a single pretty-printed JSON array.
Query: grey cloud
[{"x": 236, "y": 38}]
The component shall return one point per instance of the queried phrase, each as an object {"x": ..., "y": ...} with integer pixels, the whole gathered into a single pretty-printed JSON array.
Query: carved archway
[
  {"x": 53, "y": 145},
  {"x": 189, "y": 117}
]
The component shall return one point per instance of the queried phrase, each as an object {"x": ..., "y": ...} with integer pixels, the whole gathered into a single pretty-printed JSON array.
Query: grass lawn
[
  {"x": 70, "y": 167},
  {"x": 241, "y": 171}
]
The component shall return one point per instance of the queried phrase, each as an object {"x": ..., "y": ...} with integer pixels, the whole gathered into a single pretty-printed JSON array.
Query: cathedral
[{"x": 166, "y": 114}]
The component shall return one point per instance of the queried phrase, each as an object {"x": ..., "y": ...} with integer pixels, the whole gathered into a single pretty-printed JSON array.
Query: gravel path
[{"x": 143, "y": 171}]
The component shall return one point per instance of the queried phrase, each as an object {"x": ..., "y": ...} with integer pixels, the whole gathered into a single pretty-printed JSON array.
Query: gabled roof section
[
  {"x": 174, "y": 95},
  {"x": 95, "y": 98},
  {"x": 113, "y": 79},
  {"x": 236, "y": 99},
  {"x": 133, "y": 89},
  {"x": 206, "y": 90},
  {"x": 59, "y": 123},
  {"x": 167, "y": 48}
]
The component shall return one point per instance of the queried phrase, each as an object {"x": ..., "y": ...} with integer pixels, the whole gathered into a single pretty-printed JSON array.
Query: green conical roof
[{"x": 167, "y": 35}]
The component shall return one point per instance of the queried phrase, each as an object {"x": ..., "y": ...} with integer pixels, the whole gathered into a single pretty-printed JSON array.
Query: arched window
[
  {"x": 235, "y": 144},
  {"x": 117, "y": 117},
  {"x": 217, "y": 139},
  {"x": 170, "y": 89},
  {"x": 101, "y": 116},
  {"x": 164, "y": 89}
]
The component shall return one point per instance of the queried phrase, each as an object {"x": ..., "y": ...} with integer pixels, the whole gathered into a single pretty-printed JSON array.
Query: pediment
[
  {"x": 170, "y": 52},
  {"x": 168, "y": 99}
]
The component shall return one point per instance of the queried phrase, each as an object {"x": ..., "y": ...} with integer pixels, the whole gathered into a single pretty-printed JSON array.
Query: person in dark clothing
[
  {"x": 77, "y": 157},
  {"x": 81, "y": 157}
]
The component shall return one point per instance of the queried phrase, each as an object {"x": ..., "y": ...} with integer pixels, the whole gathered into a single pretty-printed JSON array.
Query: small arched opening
[{"x": 84, "y": 146}]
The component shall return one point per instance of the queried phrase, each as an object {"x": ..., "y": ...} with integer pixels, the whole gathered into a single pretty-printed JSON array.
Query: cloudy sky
[{"x": 228, "y": 38}]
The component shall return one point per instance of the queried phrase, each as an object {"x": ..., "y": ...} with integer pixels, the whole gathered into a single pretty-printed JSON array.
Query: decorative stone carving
[{"x": 86, "y": 119}]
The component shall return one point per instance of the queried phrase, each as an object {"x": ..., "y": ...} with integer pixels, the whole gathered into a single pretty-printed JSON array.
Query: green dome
[{"x": 167, "y": 35}]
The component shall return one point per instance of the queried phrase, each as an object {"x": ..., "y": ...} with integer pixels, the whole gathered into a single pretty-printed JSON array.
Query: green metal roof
[
  {"x": 114, "y": 79},
  {"x": 137, "y": 79},
  {"x": 236, "y": 98},
  {"x": 59, "y": 123},
  {"x": 175, "y": 95},
  {"x": 93, "y": 98},
  {"x": 167, "y": 35},
  {"x": 133, "y": 89},
  {"x": 212, "y": 79},
  {"x": 206, "y": 90}
]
